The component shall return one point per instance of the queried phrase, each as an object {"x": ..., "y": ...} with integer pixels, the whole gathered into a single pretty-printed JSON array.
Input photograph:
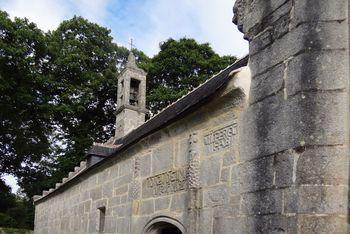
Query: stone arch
[{"x": 164, "y": 225}]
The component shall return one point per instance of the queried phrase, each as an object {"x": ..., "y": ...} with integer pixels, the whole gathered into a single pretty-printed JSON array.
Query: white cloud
[
  {"x": 94, "y": 10},
  {"x": 205, "y": 20},
  {"x": 47, "y": 14}
]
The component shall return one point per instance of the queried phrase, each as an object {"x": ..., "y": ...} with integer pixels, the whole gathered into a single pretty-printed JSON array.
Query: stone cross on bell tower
[{"x": 131, "y": 102}]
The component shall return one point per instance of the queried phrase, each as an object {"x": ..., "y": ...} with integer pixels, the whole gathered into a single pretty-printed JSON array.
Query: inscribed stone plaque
[
  {"x": 165, "y": 183},
  {"x": 220, "y": 139}
]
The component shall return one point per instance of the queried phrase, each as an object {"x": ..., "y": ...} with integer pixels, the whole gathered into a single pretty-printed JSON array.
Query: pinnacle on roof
[{"x": 131, "y": 60}]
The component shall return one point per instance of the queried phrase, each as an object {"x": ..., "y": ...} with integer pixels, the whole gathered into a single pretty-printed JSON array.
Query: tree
[
  {"x": 179, "y": 67},
  {"x": 25, "y": 116},
  {"x": 84, "y": 64}
]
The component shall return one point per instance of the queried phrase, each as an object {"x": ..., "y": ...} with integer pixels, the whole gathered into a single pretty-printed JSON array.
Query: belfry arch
[{"x": 164, "y": 225}]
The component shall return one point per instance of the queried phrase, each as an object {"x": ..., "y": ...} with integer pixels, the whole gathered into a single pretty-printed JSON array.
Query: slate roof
[{"x": 173, "y": 111}]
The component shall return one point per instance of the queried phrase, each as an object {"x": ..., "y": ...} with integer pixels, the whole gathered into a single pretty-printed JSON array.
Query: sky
[{"x": 148, "y": 22}]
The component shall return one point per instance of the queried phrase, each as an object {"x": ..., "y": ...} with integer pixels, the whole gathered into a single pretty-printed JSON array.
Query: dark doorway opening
[{"x": 164, "y": 228}]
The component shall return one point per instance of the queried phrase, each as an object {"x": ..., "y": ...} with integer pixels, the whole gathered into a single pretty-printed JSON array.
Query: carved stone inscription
[
  {"x": 165, "y": 183},
  {"x": 220, "y": 139}
]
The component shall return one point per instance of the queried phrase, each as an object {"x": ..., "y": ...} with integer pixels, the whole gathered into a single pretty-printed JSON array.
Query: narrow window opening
[
  {"x": 102, "y": 217},
  {"x": 134, "y": 92}
]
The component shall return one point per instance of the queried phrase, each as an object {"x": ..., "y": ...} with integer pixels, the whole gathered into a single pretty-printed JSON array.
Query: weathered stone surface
[
  {"x": 285, "y": 124},
  {"x": 323, "y": 224},
  {"x": 267, "y": 84},
  {"x": 256, "y": 174},
  {"x": 306, "y": 37},
  {"x": 313, "y": 199},
  {"x": 110, "y": 225},
  {"x": 229, "y": 158},
  {"x": 306, "y": 11},
  {"x": 165, "y": 183},
  {"x": 316, "y": 71},
  {"x": 284, "y": 166},
  {"x": 162, "y": 158},
  {"x": 162, "y": 203},
  {"x": 323, "y": 166},
  {"x": 225, "y": 174},
  {"x": 262, "y": 202},
  {"x": 181, "y": 157},
  {"x": 270, "y": 224},
  {"x": 215, "y": 196},
  {"x": 210, "y": 172},
  {"x": 96, "y": 193},
  {"x": 123, "y": 225},
  {"x": 179, "y": 202},
  {"x": 147, "y": 207}
]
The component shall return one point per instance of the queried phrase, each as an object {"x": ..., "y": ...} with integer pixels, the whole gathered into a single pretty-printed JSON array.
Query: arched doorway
[
  {"x": 164, "y": 225},
  {"x": 164, "y": 228}
]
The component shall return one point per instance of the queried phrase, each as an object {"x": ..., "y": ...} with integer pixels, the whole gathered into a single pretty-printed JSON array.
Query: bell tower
[{"x": 131, "y": 100}]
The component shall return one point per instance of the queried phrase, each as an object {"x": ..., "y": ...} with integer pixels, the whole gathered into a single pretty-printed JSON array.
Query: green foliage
[
  {"x": 83, "y": 74},
  {"x": 15, "y": 211},
  {"x": 179, "y": 67},
  {"x": 24, "y": 116}
]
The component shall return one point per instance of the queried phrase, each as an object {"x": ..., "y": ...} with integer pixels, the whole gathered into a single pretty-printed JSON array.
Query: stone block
[
  {"x": 179, "y": 202},
  {"x": 162, "y": 158},
  {"x": 206, "y": 221},
  {"x": 283, "y": 167},
  {"x": 306, "y": 11},
  {"x": 123, "y": 225},
  {"x": 229, "y": 158},
  {"x": 121, "y": 190},
  {"x": 100, "y": 203},
  {"x": 316, "y": 199},
  {"x": 267, "y": 84},
  {"x": 323, "y": 166},
  {"x": 227, "y": 225},
  {"x": 92, "y": 222},
  {"x": 317, "y": 70},
  {"x": 275, "y": 124},
  {"x": 119, "y": 211},
  {"x": 209, "y": 172},
  {"x": 107, "y": 189},
  {"x": 215, "y": 196},
  {"x": 124, "y": 198},
  {"x": 270, "y": 224},
  {"x": 114, "y": 201},
  {"x": 262, "y": 202},
  {"x": 138, "y": 224},
  {"x": 256, "y": 175},
  {"x": 181, "y": 157},
  {"x": 162, "y": 203},
  {"x": 87, "y": 206},
  {"x": 255, "y": 14},
  {"x": 123, "y": 180},
  {"x": 225, "y": 174},
  {"x": 147, "y": 207},
  {"x": 306, "y": 37},
  {"x": 145, "y": 165},
  {"x": 110, "y": 225},
  {"x": 126, "y": 166},
  {"x": 322, "y": 224},
  {"x": 96, "y": 193}
]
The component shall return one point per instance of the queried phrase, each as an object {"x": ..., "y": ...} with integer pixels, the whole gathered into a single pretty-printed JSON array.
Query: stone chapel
[{"x": 260, "y": 147}]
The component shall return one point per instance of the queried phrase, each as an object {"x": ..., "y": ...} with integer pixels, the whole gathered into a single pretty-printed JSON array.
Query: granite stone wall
[
  {"x": 295, "y": 138},
  {"x": 184, "y": 173}
]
